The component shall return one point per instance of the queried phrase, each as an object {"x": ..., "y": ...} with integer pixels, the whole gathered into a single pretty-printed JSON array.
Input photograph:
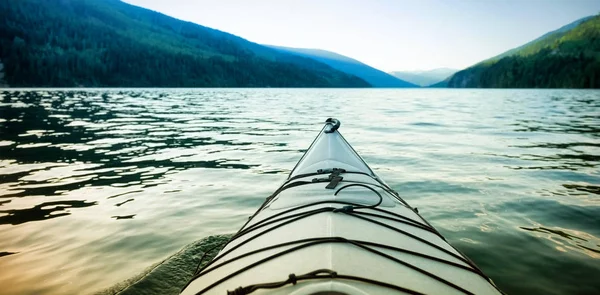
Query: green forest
[
  {"x": 108, "y": 43},
  {"x": 565, "y": 59}
]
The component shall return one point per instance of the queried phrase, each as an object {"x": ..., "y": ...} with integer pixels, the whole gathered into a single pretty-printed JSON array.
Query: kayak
[{"x": 335, "y": 227}]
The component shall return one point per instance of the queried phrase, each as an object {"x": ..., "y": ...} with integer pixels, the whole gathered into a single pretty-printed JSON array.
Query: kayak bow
[{"x": 335, "y": 227}]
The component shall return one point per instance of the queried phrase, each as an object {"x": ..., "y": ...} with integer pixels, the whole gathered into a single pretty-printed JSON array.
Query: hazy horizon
[{"x": 388, "y": 35}]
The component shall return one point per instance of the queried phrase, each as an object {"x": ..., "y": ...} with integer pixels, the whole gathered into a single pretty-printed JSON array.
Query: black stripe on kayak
[
  {"x": 314, "y": 275},
  {"x": 316, "y": 211},
  {"x": 339, "y": 240},
  {"x": 271, "y": 219},
  {"x": 317, "y": 241},
  {"x": 330, "y": 209},
  {"x": 404, "y": 219}
]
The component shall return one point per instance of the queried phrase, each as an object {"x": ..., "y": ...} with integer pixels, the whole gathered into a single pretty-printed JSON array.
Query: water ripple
[{"x": 102, "y": 183}]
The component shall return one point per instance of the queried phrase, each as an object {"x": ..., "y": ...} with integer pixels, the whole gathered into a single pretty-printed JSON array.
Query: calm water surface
[{"x": 97, "y": 185}]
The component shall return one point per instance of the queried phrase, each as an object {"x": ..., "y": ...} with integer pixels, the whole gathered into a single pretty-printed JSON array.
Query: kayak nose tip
[{"x": 332, "y": 125}]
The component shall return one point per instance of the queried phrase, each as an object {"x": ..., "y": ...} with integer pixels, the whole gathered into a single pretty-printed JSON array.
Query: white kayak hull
[{"x": 334, "y": 227}]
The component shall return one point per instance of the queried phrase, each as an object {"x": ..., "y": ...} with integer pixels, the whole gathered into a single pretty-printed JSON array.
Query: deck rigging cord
[
  {"x": 317, "y": 274},
  {"x": 350, "y": 209},
  {"x": 368, "y": 213}
]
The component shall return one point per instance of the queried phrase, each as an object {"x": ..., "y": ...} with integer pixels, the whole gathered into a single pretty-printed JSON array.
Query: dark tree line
[
  {"x": 108, "y": 43},
  {"x": 571, "y": 61}
]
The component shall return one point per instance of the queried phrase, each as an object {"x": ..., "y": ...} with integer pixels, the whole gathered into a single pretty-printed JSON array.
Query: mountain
[
  {"x": 424, "y": 78},
  {"x": 441, "y": 84},
  {"x": 109, "y": 43},
  {"x": 565, "y": 58},
  {"x": 540, "y": 42},
  {"x": 348, "y": 65}
]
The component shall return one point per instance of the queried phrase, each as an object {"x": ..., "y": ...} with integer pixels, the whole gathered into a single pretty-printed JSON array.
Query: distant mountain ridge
[
  {"x": 568, "y": 57},
  {"x": 426, "y": 77},
  {"x": 545, "y": 39},
  {"x": 348, "y": 65},
  {"x": 109, "y": 43}
]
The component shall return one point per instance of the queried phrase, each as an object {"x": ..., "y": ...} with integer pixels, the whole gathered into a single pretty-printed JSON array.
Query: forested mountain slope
[
  {"x": 65, "y": 43},
  {"x": 566, "y": 58}
]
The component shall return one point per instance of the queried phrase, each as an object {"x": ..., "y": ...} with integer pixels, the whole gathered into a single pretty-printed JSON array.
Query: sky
[{"x": 391, "y": 35}]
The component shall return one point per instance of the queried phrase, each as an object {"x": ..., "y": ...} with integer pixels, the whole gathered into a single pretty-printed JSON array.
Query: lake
[{"x": 96, "y": 185}]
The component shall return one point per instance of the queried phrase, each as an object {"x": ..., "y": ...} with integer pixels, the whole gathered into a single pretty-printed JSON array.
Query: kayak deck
[{"x": 334, "y": 227}]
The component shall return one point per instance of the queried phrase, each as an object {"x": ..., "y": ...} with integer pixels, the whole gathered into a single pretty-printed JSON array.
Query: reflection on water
[
  {"x": 584, "y": 188},
  {"x": 96, "y": 185},
  {"x": 587, "y": 245},
  {"x": 42, "y": 211}
]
